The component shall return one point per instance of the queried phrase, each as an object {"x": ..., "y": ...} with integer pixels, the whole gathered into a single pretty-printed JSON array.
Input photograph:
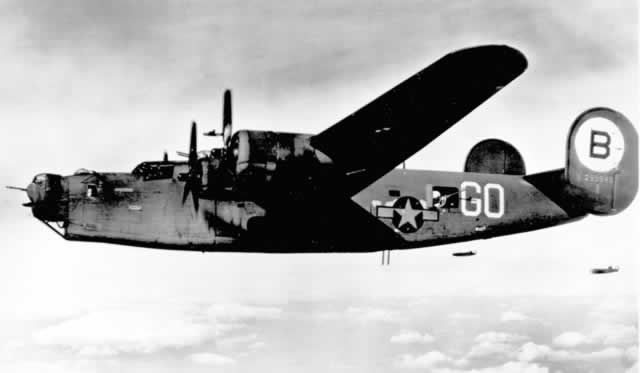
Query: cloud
[
  {"x": 609, "y": 353},
  {"x": 373, "y": 314},
  {"x": 257, "y": 345},
  {"x": 615, "y": 310},
  {"x": 494, "y": 344},
  {"x": 110, "y": 332},
  {"x": 499, "y": 337},
  {"x": 534, "y": 352},
  {"x": 429, "y": 360},
  {"x": 508, "y": 367},
  {"x": 412, "y": 337},
  {"x": 208, "y": 358},
  {"x": 230, "y": 342},
  {"x": 240, "y": 312},
  {"x": 145, "y": 329},
  {"x": 55, "y": 366},
  {"x": 608, "y": 335},
  {"x": 508, "y": 316},
  {"x": 570, "y": 339},
  {"x": 531, "y": 352},
  {"x": 212, "y": 44},
  {"x": 615, "y": 334},
  {"x": 463, "y": 316},
  {"x": 632, "y": 353}
]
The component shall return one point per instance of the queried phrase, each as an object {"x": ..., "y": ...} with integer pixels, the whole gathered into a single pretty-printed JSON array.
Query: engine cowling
[{"x": 256, "y": 156}]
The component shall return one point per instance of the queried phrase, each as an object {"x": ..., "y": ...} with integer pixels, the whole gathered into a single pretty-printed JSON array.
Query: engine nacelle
[
  {"x": 256, "y": 156},
  {"x": 493, "y": 156}
]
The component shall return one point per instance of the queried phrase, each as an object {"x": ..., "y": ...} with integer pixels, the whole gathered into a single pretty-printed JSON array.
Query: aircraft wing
[
  {"x": 332, "y": 222},
  {"x": 378, "y": 137}
]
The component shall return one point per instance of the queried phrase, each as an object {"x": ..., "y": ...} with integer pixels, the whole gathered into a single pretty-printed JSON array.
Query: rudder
[{"x": 602, "y": 161}]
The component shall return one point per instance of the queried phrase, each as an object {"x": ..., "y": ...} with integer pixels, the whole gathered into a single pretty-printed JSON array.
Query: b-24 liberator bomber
[
  {"x": 609, "y": 269},
  {"x": 341, "y": 190}
]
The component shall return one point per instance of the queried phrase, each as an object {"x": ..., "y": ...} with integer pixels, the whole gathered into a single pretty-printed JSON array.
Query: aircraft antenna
[{"x": 386, "y": 257}]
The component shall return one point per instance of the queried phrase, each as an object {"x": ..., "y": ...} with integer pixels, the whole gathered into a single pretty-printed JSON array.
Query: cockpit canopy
[
  {"x": 40, "y": 178},
  {"x": 155, "y": 170}
]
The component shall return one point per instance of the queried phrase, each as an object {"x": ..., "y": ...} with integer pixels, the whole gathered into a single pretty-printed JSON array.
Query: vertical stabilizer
[{"x": 602, "y": 161}]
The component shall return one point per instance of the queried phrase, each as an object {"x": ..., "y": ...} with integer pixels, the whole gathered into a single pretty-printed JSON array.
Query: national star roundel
[{"x": 407, "y": 214}]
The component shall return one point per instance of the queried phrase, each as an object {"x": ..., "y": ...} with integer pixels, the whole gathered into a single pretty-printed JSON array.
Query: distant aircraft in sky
[
  {"x": 464, "y": 253},
  {"x": 340, "y": 191},
  {"x": 609, "y": 269}
]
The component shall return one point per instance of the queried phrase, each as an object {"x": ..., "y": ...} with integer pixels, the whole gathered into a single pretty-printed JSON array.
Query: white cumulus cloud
[
  {"x": 208, "y": 358},
  {"x": 534, "y": 352},
  {"x": 570, "y": 339},
  {"x": 531, "y": 352},
  {"x": 509, "y": 367},
  {"x": 615, "y": 334},
  {"x": 412, "y": 337},
  {"x": 109, "y": 332},
  {"x": 241, "y": 312},
  {"x": 148, "y": 328},
  {"x": 495, "y": 343},
  {"x": 514, "y": 316},
  {"x": 427, "y": 361}
]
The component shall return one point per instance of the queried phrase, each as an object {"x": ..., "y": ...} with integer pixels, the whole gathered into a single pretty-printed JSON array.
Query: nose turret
[
  {"x": 48, "y": 197},
  {"x": 38, "y": 188}
]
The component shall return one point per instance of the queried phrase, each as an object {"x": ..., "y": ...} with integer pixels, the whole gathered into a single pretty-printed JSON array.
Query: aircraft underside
[{"x": 416, "y": 208}]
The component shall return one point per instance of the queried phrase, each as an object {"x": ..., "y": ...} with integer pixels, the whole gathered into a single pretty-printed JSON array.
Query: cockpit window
[
  {"x": 154, "y": 170},
  {"x": 40, "y": 178}
]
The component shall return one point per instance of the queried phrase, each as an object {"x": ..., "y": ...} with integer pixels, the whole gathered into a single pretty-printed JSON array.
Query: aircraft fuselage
[{"x": 424, "y": 208}]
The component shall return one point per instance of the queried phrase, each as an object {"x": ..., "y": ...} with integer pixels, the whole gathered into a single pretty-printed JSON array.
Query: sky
[{"x": 106, "y": 85}]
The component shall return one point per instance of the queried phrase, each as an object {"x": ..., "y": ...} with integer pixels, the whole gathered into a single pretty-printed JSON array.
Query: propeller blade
[
  {"x": 226, "y": 119},
  {"x": 28, "y": 204},
  {"x": 196, "y": 200},
  {"x": 193, "y": 178},
  {"x": 16, "y": 188},
  {"x": 185, "y": 194},
  {"x": 193, "y": 145}
]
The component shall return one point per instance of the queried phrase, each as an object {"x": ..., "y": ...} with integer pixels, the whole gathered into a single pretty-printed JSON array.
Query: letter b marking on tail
[{"x": 597, "y": 143}]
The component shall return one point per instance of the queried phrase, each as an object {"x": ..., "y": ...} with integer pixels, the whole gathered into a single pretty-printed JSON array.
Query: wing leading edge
[{"x": 372, "y": 141}]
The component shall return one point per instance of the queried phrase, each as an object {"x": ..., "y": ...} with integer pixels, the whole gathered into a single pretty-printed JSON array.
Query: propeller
[
  {"x": 193, "y": 178},
  {"x": 226, "y": 121}
]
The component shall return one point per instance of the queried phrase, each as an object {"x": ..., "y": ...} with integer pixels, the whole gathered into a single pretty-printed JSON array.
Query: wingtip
[{"x": 504, "y": 51}]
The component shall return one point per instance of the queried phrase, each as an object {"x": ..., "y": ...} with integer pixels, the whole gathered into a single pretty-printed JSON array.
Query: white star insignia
[{"x": 408, "y": 215}]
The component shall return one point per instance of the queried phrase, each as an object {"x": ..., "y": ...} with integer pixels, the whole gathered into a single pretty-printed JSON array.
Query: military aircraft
[
  {"x": 464, "y": 253},
  {"x": 340, "y": 190},
  {"x": 609, "y": 269}
]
